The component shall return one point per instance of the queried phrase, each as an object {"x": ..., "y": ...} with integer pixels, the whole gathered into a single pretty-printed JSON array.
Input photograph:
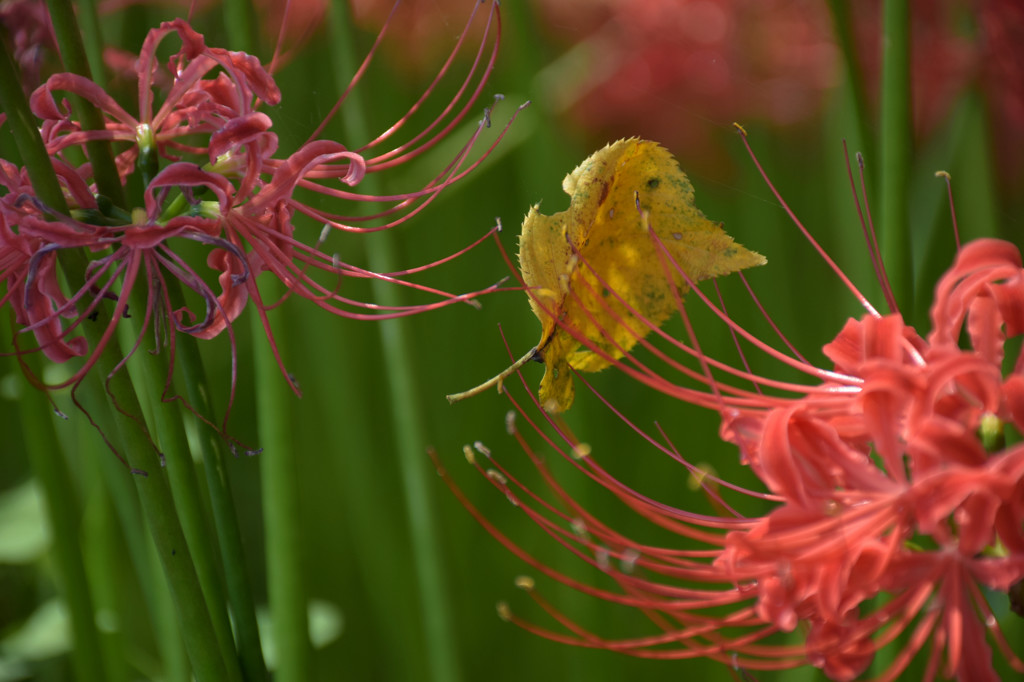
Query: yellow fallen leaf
[{"x": 573, "y": 260}]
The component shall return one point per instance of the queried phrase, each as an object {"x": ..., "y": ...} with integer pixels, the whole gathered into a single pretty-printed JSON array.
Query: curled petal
[
  {"x": 841, "y": 650},
  {"x": 310, "y": 156},
  {"x": 1009, "y": 298},
  {"x": 985, "y": 327},
  {"x": 45, "y": 107},
  {"x": 240, "y": 64},
  {"x": 187, "y": 175},
  {"x": 1013, "y": 395},
  {"x": 39, "y": 308},
  {"x": 888, "y": 390},
  {"x": 938, "y": 442},
  {"x": 979, "y": 265},
  {"x": 237, "y": 132},
  {"x": 234, "y": 273}
]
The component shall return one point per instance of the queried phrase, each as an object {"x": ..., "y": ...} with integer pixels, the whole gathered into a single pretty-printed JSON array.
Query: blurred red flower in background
[
  {"x": 682, "y": 71},
  {"x": 27, "y": 23},
  {"x": 1001, "y": 46},
  {"x": 677, "y": 70}
]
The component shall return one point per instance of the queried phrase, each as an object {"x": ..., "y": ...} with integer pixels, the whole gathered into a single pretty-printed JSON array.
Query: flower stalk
[
  {"x": 74, "y": 57},
  {"x": 282, "y": 519},
  {"x": 167, "y": 425},
  {"x": 894, "y": 152},
  {"x": 157, "y": 502},
  {"x": 240, "y": 599},
  {"x": 47, "y": 459}
]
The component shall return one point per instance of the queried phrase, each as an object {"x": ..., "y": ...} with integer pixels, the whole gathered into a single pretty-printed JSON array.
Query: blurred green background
[{"x": 594, "y": 72}]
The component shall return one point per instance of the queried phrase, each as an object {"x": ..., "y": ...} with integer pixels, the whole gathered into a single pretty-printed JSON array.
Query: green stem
[
  {"x": 842, "y": 24},
  {"x": 281, "y": 514},
  {"x": 26, "y": 136},
  {"x": 239, "y": 25},
  {"x": 64, "y": 512},
  {"x": 417, "y": 475},
  {"x": 169, "y": 431},
  {"x": 232, "y": 555},
  {"x": 92, "y": 35},
  {"x": 105, "y": 564},
  {"x": 895, "y": 152},
  {"x": 73, "y": 54},
  {"x": 175, "y": 652},
  {"x": 118, "y": 490},
  {"x": 155, "y": 494}
]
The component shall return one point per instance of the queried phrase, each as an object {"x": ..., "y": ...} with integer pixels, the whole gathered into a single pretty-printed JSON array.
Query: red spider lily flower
[
  {"x": 221, "y": 110},
  {"x": 140, "y": 251},
  {"x": 893, "y": 514},
  {"x": 206, "y": 156},
  {"x": 235, "y": 140},
  {"x": 891, "y": 489},
  {"x": 28, "y": 265}
]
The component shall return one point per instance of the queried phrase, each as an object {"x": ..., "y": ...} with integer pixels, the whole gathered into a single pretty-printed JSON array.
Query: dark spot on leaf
[{"x": 653, "y": 183}]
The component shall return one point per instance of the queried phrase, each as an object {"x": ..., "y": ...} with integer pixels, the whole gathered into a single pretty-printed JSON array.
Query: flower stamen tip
[
  {"x": 628, "y": 560},
  {"x": 579, "y": 528},
  {"x": 581, "y": 450},
  {"x": 697, "y": 476},
  {"x": 497, "y": 477},
  {"x": 525, "y": 582}
]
